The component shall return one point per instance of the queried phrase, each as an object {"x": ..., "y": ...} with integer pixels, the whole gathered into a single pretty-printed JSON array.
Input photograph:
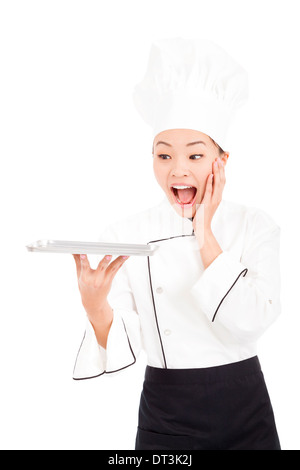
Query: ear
[{"x": 225, "y": 157}]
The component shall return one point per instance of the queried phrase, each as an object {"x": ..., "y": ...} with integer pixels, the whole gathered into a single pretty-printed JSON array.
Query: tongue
[{"x": 186, "y": 195}]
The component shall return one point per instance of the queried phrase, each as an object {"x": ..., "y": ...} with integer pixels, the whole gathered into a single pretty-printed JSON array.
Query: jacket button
[
  {"x": 159, "y": 290},
  {"x": 167, "y": 332}
]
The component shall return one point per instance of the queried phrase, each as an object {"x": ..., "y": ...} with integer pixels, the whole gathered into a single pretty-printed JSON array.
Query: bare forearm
[
  {"x": 209, "y": 248},
  {"x": 102, "y": 323}
]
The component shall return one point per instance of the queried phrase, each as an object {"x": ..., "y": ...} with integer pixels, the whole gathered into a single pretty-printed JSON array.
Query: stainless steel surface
[{"x": 81, "y": 247}]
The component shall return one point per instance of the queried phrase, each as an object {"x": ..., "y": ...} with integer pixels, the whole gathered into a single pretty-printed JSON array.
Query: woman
[{"x": 199, "y": 304}]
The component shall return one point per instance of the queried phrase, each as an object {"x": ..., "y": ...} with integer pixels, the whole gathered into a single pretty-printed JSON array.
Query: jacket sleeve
[
  {"x": 244, "y": 294},
  {"x": 124, "y": 338}
]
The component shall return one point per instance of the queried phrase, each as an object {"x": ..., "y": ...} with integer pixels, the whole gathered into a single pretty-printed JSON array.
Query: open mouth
[{"x": 184, "y": 195}]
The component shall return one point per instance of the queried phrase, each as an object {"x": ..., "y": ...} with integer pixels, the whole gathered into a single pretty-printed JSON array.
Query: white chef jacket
[{"x": 182, "y": 315}]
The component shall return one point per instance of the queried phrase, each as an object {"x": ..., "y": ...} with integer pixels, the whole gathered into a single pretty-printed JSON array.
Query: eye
[
  {"x": 164, "y": 156},
  {"x": 196, "y": 157}
]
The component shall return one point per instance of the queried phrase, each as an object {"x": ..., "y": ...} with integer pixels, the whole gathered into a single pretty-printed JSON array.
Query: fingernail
[
  {"x": 125, "y": 257},
  {"x": 82, "y": 256},
  {"x": 108, "y": 257}
]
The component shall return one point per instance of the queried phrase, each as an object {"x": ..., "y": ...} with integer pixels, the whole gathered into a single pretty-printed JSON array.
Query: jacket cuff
[
  {"x": 216, "y": 282},
  {"x": 93, "y": 360}
]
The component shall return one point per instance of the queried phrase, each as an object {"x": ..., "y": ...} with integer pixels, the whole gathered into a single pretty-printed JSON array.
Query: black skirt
[{"x": 216, "y": 408}]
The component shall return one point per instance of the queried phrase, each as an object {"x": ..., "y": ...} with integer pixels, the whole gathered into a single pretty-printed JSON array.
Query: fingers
[
  {"x": 78, "y": 264},
  {"x": 108, "y": 269},
  {"x": 216, "y": 172},
  {"x": 85, "y": 268},
  {"x": 215, "y": 183},
  {"x": 208, "y": 189},
  {"x": 116, "y": 265},
  {"x": 82, "y": 266},
  {"x": 218, "y": 179},
  {"x": 104, "y": 268},
  {"x": 103, "y": 263},
  {"x": 222, "y": 172},
  {"x": 85, "y": 265}
]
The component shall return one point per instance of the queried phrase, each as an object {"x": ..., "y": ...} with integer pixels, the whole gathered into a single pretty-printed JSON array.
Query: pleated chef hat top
[{"x": 191, "y": 84}]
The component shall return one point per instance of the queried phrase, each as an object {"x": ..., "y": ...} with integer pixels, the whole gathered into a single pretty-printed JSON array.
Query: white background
[{"x": 75, "y": 156}]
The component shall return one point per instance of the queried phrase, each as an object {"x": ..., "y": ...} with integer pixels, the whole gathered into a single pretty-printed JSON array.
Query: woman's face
[{"x": 182, "y": 162}]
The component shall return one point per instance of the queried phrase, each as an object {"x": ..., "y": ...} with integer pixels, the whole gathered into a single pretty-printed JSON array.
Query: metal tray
[{"x": 93, "y": 248}]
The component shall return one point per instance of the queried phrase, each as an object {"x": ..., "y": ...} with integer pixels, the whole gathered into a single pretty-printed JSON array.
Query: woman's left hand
[{"x": 212, "y": 197}]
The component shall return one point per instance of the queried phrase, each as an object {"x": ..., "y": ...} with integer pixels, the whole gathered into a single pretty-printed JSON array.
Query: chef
[{"x": 198, "y": 305}]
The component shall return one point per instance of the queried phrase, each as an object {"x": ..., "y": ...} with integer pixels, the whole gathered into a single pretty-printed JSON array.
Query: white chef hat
[{"x": 191, "y": 84}]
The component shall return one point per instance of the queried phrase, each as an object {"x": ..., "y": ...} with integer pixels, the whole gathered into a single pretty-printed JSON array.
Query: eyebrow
[{"x": 187, "y": 145}]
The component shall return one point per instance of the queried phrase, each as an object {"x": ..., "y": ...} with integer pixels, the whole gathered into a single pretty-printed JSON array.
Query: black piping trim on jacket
[
  {"x": 244, "y": 272},
  {"x": 155, "y": 314},
  {"x": 152, "y": 295},
  {"x": 171, "y": 238},
  {"x": 105, "y": 372}
]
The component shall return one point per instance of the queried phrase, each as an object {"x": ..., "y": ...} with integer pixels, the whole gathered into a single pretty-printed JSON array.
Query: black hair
[{"x": 221, "y": 151}]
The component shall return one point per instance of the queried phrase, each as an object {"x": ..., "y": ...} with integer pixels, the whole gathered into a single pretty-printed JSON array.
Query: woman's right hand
[{"x": 94, "y": 286}]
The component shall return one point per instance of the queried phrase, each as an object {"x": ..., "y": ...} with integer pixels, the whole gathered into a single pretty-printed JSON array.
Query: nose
[{"x": 180, "y": 169}]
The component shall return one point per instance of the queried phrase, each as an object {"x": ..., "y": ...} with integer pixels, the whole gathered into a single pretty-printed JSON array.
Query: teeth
[{"x": 182, "y": 187}]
